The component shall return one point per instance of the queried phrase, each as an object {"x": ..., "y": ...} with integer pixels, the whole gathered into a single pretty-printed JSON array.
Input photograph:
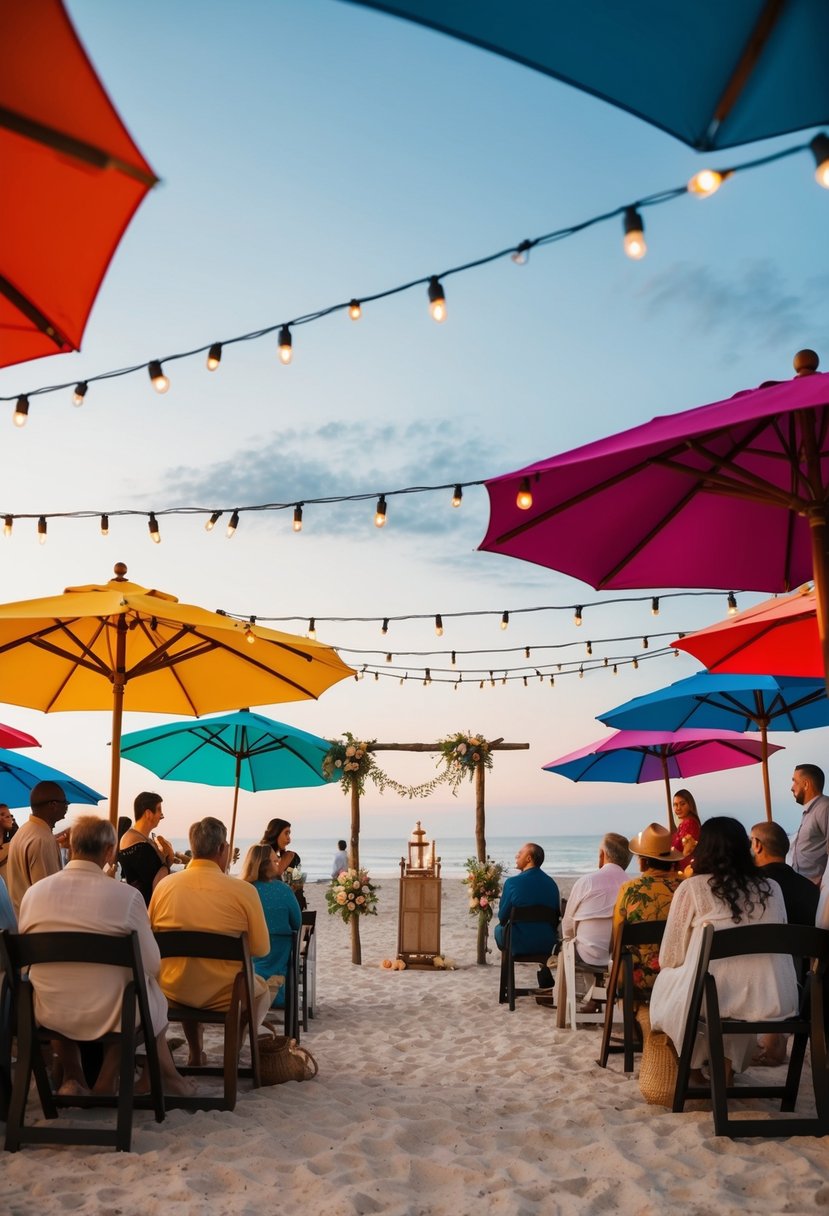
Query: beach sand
[{"x": 431, "y": 1098}]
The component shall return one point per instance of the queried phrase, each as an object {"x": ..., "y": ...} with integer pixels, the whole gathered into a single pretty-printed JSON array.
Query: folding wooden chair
[
  {"x": 180, "y": 943},
  {"x": 308, "y": 966},
  {"x": 630, "y": 936},
  {"x": 535, "y": 914},
  {"x": 807, "y": 1027},
  {"x": 567, "y": 1008},
  {"x": 19, "y": 951}
]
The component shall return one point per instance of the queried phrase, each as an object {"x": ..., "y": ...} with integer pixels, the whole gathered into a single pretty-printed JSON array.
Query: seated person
[
  {"x": 648, "y": 897},
  {"x": 588, "y": 917},
  {"x": 85, "y": 1002},
  {"x": 531, "y": 886},
  {"x": 282, "y": 914},
  {"x": 204, "y": 898}
]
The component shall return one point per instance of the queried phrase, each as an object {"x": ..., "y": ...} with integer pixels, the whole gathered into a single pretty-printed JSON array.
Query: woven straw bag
[
  {"x": 282, "y": 1059},
  {"x": 659, "y": 1067}
]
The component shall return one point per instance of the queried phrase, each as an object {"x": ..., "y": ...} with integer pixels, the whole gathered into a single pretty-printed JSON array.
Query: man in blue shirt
[{"x": 530, "y": 887}]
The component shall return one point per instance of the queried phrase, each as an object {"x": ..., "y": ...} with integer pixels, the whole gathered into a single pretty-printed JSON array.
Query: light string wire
[
  {"x": 517, "y": 252},
  {"x": 544, "y": 673}
]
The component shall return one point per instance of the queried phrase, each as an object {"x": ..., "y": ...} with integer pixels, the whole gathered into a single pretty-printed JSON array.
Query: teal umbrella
[{"x": 242, "y": 749}]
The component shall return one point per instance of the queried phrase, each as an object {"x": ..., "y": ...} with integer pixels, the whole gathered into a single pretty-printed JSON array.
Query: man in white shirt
[
  {"x": 588, "y": 917},
  {"x": 340, "y": 860}
]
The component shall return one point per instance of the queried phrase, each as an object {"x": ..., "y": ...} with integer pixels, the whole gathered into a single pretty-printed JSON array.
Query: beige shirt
[
  {"x": 204, "y": 899},
  {"x": 33, "y": 854}
]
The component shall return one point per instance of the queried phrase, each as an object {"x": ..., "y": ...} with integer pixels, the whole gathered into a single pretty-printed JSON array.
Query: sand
[{"x": 431, "y": 1098}]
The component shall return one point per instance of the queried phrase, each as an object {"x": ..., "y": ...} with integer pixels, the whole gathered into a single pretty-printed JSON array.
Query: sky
[{"x": 312, "y": 151}]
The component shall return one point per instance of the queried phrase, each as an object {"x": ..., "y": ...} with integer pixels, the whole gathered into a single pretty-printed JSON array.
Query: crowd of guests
[
  {"x": 689, "y": 875},
  {"x": 39, "y": 892}
]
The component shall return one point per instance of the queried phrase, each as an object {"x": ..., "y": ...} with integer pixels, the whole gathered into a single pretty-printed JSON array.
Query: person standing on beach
[
  {"x": 8, "y": 828},
  {"x": 34, "y": 852},
  {"x": 144, "y": 856},
  {"x": 340, "y": 860},
  {"x": 810, "y": 845},
  {"x": 530, "y": 886}
]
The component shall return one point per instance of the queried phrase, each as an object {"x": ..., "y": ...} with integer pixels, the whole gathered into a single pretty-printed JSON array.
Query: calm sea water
[{"x": 564, "y": 854}]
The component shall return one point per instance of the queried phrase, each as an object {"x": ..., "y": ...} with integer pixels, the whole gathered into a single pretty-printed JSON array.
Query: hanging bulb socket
[
  {"x": 634, "y": 228},
  {"x": 439, "y": 625},
  {"x": 354, "y": 310},
  {"x": 214, "y": 356},
  {"x": 380, "y": 513},
  {"x": 211, "y": 523},
  {"x": 152, "y": 524},
  {"x": 41, "y": 530},
  {"x": 250, "y": 636},
  {"x": 157, "y": 378},
  {"x": 297, "y": 525},
  {"x": 505, "y": 620},
  {"x": 581, "y": 671},
  {"x": 454, "y": 659},
  {"x": 80, "y": 392},
  {"x": 655, "y": 606},
  {"x": 589, "y": 647},
  {"x": 21, "y": 411},
  {"x": 524, "y": 497},
  {"x": 233, "y": 524},
  {"x": 732, "y": 604},
  {"x": 286, "y": 347},
  {"x": 645, "y": 643},
  {"x": 820, "y": 151},
  {"x": 388, "y": 658},
  {"x": 577, "y": 615},
  {"x": 437, "y": 299},
  {"x": 526, "y": 652},
  {"x": 8, "y": 524},
  {"x": 104, "y": 525},
  {"x": 312, "y": 629},
  {"x": 521, "y": 254},
  {"x": 457, "y": 497}
]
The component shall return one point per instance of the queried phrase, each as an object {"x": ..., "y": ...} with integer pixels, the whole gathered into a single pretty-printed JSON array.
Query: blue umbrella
[
  {"x": 242, "y": 749},
  {"x": 733, "y": 702},
  {"x": 18, "y": 774}
]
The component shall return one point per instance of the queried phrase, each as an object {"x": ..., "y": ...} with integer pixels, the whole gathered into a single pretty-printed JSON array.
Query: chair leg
[
  {"x": 716, "y": 1058},
  {"x": 795, "y": 1070},
  {"x": 627, "y": 1014},
  {"x": 26, "y": 1044},
  {"x": 126, "y": 1087},
  {"x": 231, "y": 1054}
]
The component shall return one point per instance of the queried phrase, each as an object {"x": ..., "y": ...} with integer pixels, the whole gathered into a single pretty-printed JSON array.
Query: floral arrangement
[
  {"x": 348, "y": 761},
  {"x": 484, "y": 881},
  {"x": 352, "y": 893},
  {"x": 294, "y": 875},
  {"x": 462, "y": 754}
]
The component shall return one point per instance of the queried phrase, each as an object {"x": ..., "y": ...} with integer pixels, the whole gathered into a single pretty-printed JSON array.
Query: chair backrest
[
  {"x": 309, "y": 924},
  {"x": 27, "y": 949},
  {"x": 641, "y": 933},
  {"x": 801, "y": 941},
  {"x": 193, "y": 943},
  {"x": 534, "y": 914}
]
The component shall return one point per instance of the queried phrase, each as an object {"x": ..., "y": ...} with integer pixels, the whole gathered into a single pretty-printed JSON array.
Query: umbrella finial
[
  {"x": 119, "y": 570},
  {"x": 805, "y": 362}
]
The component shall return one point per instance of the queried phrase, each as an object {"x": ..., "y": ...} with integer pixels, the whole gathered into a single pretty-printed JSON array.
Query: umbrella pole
[
  {"x": 820, "y": 573},
  {"x": 119, "y": 680},
  {"x": 354, "y": 858},
  {"x": 764, "y": 738},
  {"x": 671, "y": 820},
  {"x": 235, "y": 805}
]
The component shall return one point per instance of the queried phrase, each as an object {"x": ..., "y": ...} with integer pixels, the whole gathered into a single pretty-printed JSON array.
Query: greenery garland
[
  {"x": 350, "y": 761},
  {"x": 462, "y": 754}
]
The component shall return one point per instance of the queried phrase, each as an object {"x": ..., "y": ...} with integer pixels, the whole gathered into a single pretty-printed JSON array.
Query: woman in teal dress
[{"x": 281, "y": 909}]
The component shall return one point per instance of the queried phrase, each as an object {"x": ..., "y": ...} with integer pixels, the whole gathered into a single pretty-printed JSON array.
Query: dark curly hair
[{"x": 724, "y": 854}]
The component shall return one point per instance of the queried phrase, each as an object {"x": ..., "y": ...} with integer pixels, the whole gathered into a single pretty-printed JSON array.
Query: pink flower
[{"x": 484, "y": 902}]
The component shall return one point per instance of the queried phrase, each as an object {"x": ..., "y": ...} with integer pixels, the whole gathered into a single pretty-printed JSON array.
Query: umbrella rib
[
  {"x": 744, "y": 68},
  {"x": 69, "y": 145},
  {"x": 34, "y": 314}
]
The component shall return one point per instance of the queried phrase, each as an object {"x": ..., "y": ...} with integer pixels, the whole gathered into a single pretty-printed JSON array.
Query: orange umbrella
[
  {"x": 73, "y": 179},
  {"x": 778, "y": 637}
]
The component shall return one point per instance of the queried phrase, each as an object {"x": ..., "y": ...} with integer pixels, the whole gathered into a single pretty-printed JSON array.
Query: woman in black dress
[{"x": 145, "y": 858}]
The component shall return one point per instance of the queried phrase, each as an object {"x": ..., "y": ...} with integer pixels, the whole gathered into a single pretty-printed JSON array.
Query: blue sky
[{"x": 313, "y": 150}]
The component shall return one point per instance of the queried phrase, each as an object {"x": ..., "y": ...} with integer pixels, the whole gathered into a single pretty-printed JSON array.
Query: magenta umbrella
[
  {"x": 730, "y": 495},
  {"x": 635, "y": 756}
]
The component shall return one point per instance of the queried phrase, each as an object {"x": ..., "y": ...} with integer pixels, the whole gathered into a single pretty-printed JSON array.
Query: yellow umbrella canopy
[{"x": 124, "y": 646}]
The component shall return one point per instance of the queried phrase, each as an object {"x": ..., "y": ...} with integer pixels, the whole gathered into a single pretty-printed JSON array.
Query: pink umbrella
[
  {"x": 635, "y": 756},
  {"x": 732, "y": 494}
]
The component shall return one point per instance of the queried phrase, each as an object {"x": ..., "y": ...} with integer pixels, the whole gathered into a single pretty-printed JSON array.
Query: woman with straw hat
[{"x": 648, "y": 897}]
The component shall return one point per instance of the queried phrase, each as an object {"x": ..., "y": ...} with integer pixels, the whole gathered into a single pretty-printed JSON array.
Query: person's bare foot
[
  {"x": 73, "y": 1089},
  {"x": 197, "y": 1061},
  {"x": 184, "y": 1087}
]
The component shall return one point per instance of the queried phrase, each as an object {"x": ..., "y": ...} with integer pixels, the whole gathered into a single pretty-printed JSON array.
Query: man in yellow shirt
[{"x": 206, "y": 899}]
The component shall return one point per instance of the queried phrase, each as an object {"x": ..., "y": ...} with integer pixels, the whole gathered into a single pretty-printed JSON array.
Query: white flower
[
  {"x": 341, "y": 897},
  {"x": 350, "y": 750}
]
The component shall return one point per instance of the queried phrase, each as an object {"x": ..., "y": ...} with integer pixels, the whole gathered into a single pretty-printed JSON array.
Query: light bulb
[
  {"x": 80, "y": 392},
  {"x": 388, "y": 658},
  {"x": 297, "y": 518},
  {"x": 385, "y": 626},
  {"x": 589, "y": 647},
  {"x": 581, "y": 671},
  {"x": 820, "y": 151},
  {"x": 505, "y": 620},
  {"x": 354, "y": 310},
  {"x": 380, "y": 513},
  {"x": 439, "y": 625},
  {"x": 312, "y": 629},
  {"x": 211, "y": 523},
  {"x": 524, "y": 498},
  {"x": 521, "y": 254},
  {"x": 732, "y": 604},
  {"x": 233, "y": 524},
  {"x": 457, "y": 496},
  {"x": 645, "y": 643},
  {"x": 41, "y": 530},
  {"x": 577, "y": 615},
  {"x": 21, "y": 411},
  {"x": 615, "y": 670},
  {"x": 286, "y": 352},
  {"x": 454, "y": 659},
  {"x": 437, "y": 299},
  {"x": 655, "y": 606},
  {"x": 250, "y": 636},
  {"x": 706, "y": 182},
  {"x": 635, "y": 664},
  {"x": 155, "y": 535},
  {"x": 634, "y": 242},
  {"x": 214, "y": 356},
  {"x": 8, "y": 524},
  {"x": 526, "y": 652},
  {"x": 157, "y": 378},
  {"x": 104, "y": 525}
]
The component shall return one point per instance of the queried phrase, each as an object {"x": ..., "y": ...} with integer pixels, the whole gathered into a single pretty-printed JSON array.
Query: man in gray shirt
[{"x": 810, "y": 845}]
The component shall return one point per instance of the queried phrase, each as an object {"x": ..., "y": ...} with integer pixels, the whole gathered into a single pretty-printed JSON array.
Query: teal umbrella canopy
[
  {"x": 242, "y": 750},
  {"x": 19, "y": 774}
]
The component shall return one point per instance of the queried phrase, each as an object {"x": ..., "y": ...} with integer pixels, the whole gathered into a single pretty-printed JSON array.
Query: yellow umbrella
[{"x": 128, "y": 647}]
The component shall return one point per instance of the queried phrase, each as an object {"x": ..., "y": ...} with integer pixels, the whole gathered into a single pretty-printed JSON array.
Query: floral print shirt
[{"x": 647, "y": 897}]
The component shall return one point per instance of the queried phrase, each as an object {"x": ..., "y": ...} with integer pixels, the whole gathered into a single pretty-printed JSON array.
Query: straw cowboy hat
[{"x": 655, "y": 841}]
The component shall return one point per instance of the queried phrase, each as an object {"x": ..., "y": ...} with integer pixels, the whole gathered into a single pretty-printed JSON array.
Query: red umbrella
[
  {"x": 12, "y": 738},
  {"x": 73, "y": 178},
  {"x": 779, "y": 636},
  {"x": 732, "y": 494}
]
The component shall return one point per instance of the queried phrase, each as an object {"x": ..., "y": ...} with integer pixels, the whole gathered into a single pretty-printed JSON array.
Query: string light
[
  {"x": 427, "y": 679},
  {"x": 581, "y": 672},
  {"x": 354, "y": 310},
  {"x": 505, "y": 620},
  {"x": 732, "y": 604},
  {"x": 250, "y": 636},
  {"x": 655, "y": 606},
  {"x": 157, "y": 378},
  {"x": 820, "y": 151},
  {"x": 104, "y": 525},
  {"x": 380, "y": 513},
  {"x": 286, "y": 345},
  {"x": 521, "y": 254},
  {"x": 41, "y": 530},
  {"x": 376, "y": 675},
  {"x": 707, "y": 182},
  {"x": 634, "y": 227},
  {"x": 155, "y": 535},
  {"x": 437, "y": 299},
  {"x": 21, "y": 411},
  {"x": 615, "y": 669},
  {"x": 526, "y": 652},
  {"x": 439, "y": 625},
  {"x": 457, "y": 496},
  {"x": 388, "y": 658},
  {"x": 524, "y": 497},
  {"x": 214, "y": 356},
  {"x": 454, "y": 659},
  {"x": 212, "y": 521},
  {"x": 232, "y": 525},
  {"x": 312, "y": 629},
  {"x": 8, "y": 524},
  {"x": 385, "y": 626},
  {"x": 79, "y": 392},
  {"x": 635, "y": 664},
  {"x": 589, "y": 647},
  {"x": 526, "y": 684},
  {"x": 491, "y": 680},
  {"x": 577, "y": 618},
  {"x": 645, "y": 643},
  {"x": 297, "y": 524}
]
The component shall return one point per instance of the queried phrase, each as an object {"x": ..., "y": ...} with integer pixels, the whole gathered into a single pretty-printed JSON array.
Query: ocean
[{"x": 381, "y": 857}]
